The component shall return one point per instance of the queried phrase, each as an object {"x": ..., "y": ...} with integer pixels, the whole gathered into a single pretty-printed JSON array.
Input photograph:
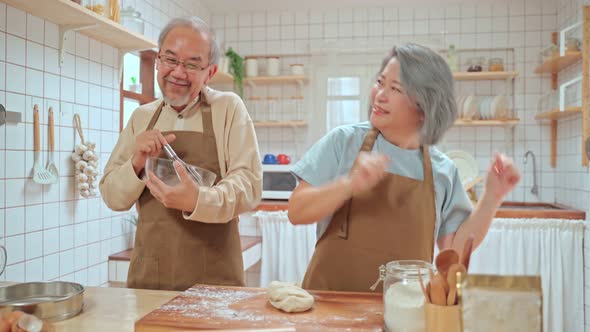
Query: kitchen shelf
[
  {"x": 487, "y": 123},
  {"x": 277, "y": 124},
  {"x": 143, "y": 99},
  {"x": 557, "y": 114},
  {"x": 224, "y": 78},
  {"x": 221, "y": 78},
  {"x": 70, "y": 16},
  {"x": 484, "y": 75},
  {"x": 556, "y": 64}
]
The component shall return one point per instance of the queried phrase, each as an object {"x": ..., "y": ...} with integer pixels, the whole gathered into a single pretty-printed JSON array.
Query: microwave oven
[{"x": 278, "y": 182}]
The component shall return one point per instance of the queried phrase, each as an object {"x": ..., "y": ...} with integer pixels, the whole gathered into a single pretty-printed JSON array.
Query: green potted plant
[
  {"x": 236, "y": 69},
  {"x": 134, "y": 86}
]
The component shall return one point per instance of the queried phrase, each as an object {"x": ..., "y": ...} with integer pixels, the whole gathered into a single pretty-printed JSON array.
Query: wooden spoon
[
  {"x": 466, "y": 254},
  {"x": 452, "y": 281},
  {"x": 445, "y": 259},
  {"x": 426, "y": 296},
  {"x": 437, "y": 290}
]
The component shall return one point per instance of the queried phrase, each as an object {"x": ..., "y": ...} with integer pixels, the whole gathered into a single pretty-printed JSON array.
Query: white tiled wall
[
  {"x": 49, "y": 231},
  {"x": 519, "y": 24}
]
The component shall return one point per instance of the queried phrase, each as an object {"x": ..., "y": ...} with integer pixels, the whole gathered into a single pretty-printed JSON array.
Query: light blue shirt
[{"x": 333, "y": 156}]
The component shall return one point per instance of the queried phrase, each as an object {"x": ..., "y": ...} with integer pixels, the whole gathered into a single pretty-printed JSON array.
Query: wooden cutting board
[{"x": 247, "y": 309}]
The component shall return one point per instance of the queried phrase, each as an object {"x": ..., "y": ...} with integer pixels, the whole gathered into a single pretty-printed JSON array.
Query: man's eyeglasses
[{"x": 189, "y": 66}]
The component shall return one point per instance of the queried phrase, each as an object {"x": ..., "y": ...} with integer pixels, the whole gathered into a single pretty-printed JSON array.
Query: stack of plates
[{"x": 466, "y": 165}]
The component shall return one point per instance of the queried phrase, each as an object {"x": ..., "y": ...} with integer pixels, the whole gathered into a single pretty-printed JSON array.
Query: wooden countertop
[
  {"x": 240, "y": 308},
  {"x": 507, "y": 210},
  {"x": 246, "y": 242},
  {"x": 114, "y": 309}
]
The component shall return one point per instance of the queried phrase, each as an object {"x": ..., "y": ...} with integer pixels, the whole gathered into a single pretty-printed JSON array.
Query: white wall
[{"x": 49, "y": 231}]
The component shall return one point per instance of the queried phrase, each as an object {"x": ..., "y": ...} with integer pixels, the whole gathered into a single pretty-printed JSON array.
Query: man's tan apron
[
  {"x": 172, "y": 253},
  {"x": 393, "y": 221}
]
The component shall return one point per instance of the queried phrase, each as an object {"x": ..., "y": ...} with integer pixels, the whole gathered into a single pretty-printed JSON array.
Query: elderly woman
[{"x": 380, "y": 191}]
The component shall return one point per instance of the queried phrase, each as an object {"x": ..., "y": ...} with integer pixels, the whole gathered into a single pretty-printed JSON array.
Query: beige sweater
[{"x": 240, "y": 188}]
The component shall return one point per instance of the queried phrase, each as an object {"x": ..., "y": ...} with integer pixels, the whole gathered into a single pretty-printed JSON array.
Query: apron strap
[
  {"x": 207, "y": 117},
  {"x": 155, "y": 117}
]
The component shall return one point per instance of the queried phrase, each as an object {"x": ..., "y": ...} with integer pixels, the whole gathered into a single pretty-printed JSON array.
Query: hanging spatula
[
  {"x": 40, "y": 174},
  {"x": 51, "y": 168}
]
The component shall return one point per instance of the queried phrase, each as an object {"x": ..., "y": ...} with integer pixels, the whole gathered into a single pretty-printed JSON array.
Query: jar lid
[
  {"x": 272, "y": 57},
  {"x": 130, "y": 11}
]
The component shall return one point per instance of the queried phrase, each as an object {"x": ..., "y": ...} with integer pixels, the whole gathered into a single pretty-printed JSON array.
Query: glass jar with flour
[{"x": 403, "y": 299}]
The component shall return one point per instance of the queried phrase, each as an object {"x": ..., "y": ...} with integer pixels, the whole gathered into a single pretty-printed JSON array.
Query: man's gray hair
[
  {"x": 198, "y": 25},
  {"x": 429, "y": 82}
]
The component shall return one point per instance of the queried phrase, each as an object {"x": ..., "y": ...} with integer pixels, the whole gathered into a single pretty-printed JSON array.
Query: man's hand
[
  {"x": 182, "y": 196},
  {"x": 148, "y": 144}
]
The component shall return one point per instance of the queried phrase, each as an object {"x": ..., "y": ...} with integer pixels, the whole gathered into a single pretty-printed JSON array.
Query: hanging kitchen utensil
[
  {"x": 50, "y": 164},
  {"x": 40, "y": 174}
]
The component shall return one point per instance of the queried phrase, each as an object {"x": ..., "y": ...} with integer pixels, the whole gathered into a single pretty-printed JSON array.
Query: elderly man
[{"x": 186, "y": 234}]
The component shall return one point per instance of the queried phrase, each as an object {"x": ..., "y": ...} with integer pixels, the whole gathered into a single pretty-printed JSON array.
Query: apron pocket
[{"x": 144, "y": 272}]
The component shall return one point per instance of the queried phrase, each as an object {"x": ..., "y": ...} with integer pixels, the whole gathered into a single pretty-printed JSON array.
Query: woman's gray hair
[
  {"x": 428, "y": 82},
  {"x": 198, "y": 25}
]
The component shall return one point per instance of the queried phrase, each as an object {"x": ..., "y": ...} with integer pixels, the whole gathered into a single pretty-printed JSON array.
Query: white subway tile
[
  {"x": 16, "y": 22},
  {"x": 107, "y": 55},
  {"x": 82, "y": 69},
  {"x": 81, "y": 234},
  {"x": 51, "y": 267},
  {"x": 15, "y": 245},
  {"x": 95, "y": 52},
  {"x": 406, "y": 13},
  {"x": 34, "y": 56},
  {"x": 66, "y": 237},
  {"x": 34, "y": 270},
  {"x": 15, "y": 50},
  {"x": 67, "y": 90},
  {"x": 17, "y": 164},
  {"x": 66, "y": 262},
  {"x": 82, "y": 93},
  {"x": 406, "y": 28},
  {"x": 421, "y": 27},
  {"x": 344, "y": 30},
  {"x": 51, "y": 35},
  {"x": 391, "y": 28},
  {"x": 17, "y": 75},
  {"x": 82, "y": 46},
  {"x": 106, "y": 99},
  {"x": 81, "y": 257},
  {"x": 51, "y": 240},
  {"x": 33, "y": 245},
  {"x": 361, "y": 15},
  {"x": 287, "y": 18},
  {"x": 52, "y": 86},
  {"x": 34, "y": 83},
  {"x": 66, "y": 209},
  {"x": 35, "y": 29},
  {"x": 390, "y": 14},
  {"x": 273, "y": 33},
  {"x": 33, "y": 190},
  {"x": 15, "y": 221},
  {"x": 15, "y": 273},
  {"x": 81, "y": 277}
]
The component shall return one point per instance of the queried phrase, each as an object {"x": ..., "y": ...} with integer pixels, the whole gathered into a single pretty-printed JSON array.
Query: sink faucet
[{"x": 535, "y": 188}]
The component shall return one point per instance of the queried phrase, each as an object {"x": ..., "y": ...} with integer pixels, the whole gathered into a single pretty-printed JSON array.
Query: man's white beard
[{"x": 176, "y": 102}]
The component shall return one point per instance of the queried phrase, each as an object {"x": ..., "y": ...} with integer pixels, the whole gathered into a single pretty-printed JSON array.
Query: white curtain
[
  {"x": 286, "y": 248},
  {"x": 551, "y": 248}
]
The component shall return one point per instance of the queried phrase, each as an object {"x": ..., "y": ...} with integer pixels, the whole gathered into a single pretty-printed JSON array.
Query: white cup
[
  {"x": 297, "y": 69},
  {"x": 273, "y": 66},
  {"x": 251, "y": 67}
]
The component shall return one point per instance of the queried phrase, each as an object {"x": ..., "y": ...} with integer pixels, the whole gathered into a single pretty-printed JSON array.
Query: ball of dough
[{"x": 289, "y": 297}]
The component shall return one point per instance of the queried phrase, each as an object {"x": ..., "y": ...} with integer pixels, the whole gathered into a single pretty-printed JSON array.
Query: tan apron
[
  {"x": 393, "y": 221},
  {"x": 172, "y": 253}
]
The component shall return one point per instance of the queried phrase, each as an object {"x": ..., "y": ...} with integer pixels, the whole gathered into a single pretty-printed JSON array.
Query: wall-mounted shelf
[
  {"x": 557, "y": 114},
  {"x": 277, "y": 124},
  {"x": 557, "y": 63},
  {"x": 141, "y": 98},
  {"x": 264, "y": 80},
  {"x": 487, "y": 123},
  {"x": 70, "y": 16},
  {"x": 484, "y": 75},
  {"x": 221, "y": 78}
]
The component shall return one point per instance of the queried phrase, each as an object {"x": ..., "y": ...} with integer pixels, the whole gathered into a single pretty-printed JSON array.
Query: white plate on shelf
[{"x": 466, "y": 165}]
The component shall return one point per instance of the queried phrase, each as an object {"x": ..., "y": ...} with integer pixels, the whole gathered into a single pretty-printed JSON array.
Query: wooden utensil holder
[{"x": 442, "y": 318}]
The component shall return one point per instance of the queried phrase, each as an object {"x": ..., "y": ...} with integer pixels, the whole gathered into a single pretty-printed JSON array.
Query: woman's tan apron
[
  {"x": 393, "y": 221},
  {"x": 172, "y": 253}
]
